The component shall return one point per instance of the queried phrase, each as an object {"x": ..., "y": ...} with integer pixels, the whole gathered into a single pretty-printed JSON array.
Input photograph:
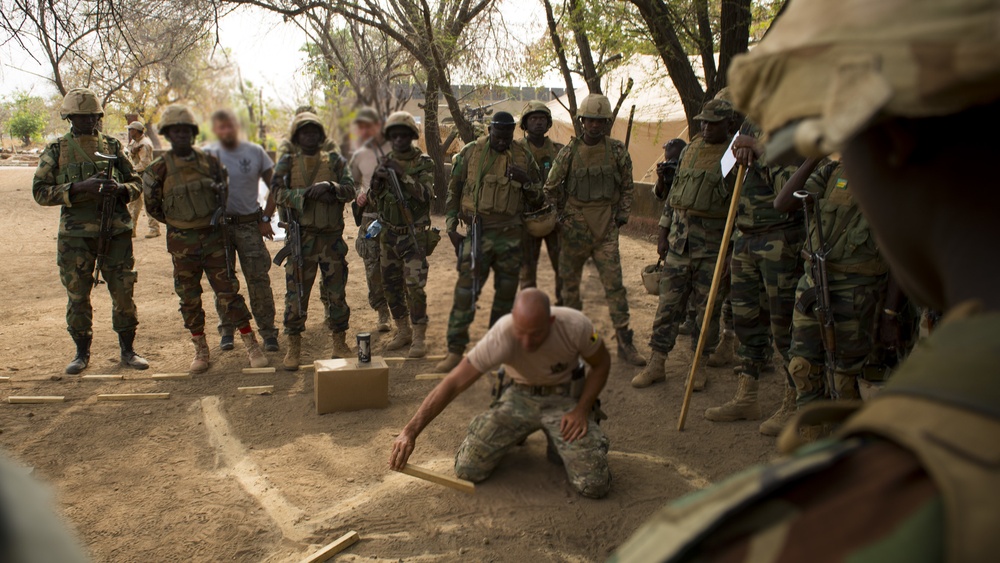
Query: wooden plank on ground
[
  {"x": 439, "y": 478},
  {"x": 132, "y": 396},
  {"x": 170, "y": 376},
  {"x": 258, "y": 370},
  {"x": 4, "y": 378},
  {"x": 35, "y": 400},
  {"x": 430, "y": 376},
  {"x": 257, "y": 390},
  {"x": 424, "y": 359},
  {"x": 331, "y": 549},
  {"x": 307, "y": 366},
  {"x": 102, "y": 377}
]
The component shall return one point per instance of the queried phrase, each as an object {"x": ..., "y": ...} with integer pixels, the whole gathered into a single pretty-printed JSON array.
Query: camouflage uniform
[
  {"x": 479, "y": 187},
  {"x": 182, "y": 193},
  {"x": 323, "y": 246},
  {"x": 404, "y": 267},
  {"x": 69, "y": 160},
  {"x": 544, "y": 157}
]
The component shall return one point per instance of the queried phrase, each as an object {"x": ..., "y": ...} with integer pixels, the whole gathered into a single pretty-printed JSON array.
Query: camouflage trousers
[
  {"x": 518, "y": 414},
  {"x": 201, "y": 251},
  {"x": 255, "y": 262},
  {"x": 500, "y": 250},
  {"x": 532, "y": 254},
  {"x": 856, "y": 303},
  {"x": 404, "y": 270},
  {"x": 76, "y": 257},
  {"x": 578, "y": 245},
  {"x": 323, "y": 253},
  {"x": 369, "y": 250},
  {"x": 766, "y": 268},
  {"x": 136, "y": 207}
]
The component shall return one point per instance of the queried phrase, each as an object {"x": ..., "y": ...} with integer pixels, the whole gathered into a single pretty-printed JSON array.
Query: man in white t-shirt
[{"x": 540, "y": 347}]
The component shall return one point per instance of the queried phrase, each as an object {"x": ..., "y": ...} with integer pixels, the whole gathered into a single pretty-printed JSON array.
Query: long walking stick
[{"x": 716, "y": 280}]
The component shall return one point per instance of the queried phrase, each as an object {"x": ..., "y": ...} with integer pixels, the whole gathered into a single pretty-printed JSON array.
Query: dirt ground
[{"x": 213, "y": 475}]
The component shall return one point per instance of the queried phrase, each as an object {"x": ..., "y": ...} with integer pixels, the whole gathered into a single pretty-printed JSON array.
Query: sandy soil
[{"x": 213, "y": 475}]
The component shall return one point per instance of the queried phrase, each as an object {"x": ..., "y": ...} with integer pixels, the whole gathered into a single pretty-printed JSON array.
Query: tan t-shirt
[{"x": 572, "y": 336}]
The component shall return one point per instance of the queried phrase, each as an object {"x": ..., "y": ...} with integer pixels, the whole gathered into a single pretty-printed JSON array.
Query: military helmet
[
  {"x": 401, "y": 119},
  {"x": 595, "y": 106},
  {"x": 540, "y": 223},
  {"x": 136, "y": 126},
  {"x": 367, "y": 115},
  {"x": 303, "y": 119},
  {"x": 651, "y": 278},
  {"x": 305, "y": 109},
  {"x": 534, "y": 106},
  {"x": 177, "y": 114},
  {"x": 80, "y": 101}
]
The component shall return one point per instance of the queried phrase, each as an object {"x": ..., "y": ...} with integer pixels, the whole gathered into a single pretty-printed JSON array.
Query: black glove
[
  {"x": 662, "y": 243},
  {"x": 518, "y": 174},
  {"x": 621, "y": 220},
  {"x": 456, "y": 241},
  {"x": 317, "y": 191}
]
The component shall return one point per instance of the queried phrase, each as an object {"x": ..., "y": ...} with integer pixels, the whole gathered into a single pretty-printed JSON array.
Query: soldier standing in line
[
  {"x": 404, "y": 260},
  {"x": 363, "y": 163},
  {"x": 246, "y": 165},
  {"x": 699, "y": 199},
  {"x": 591, "y": 186},
  {"x": 140, "y": 151},
  {"x": 72, "y": 175},
  {"x": 311, "y": 187},
  {"x": 536, "y": 120},
  {"x": 493, "y": 181},
  {"x": 186, "y": 188}
]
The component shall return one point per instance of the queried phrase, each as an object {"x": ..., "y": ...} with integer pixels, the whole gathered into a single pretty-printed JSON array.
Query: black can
[{"x": 364, "y": 347}]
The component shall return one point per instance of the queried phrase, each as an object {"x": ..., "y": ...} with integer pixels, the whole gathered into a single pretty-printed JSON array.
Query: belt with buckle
[
  {"x": 543, "y": 390},
  {"x": 243, "y": 219}
]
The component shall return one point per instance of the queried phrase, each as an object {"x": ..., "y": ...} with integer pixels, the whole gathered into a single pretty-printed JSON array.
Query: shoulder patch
[
  {"x": 841, "y": 183},
  {"x": 595, "y": 337}
]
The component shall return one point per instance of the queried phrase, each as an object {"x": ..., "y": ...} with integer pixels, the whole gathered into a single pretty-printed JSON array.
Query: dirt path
[{"x": 212, "y": 475}]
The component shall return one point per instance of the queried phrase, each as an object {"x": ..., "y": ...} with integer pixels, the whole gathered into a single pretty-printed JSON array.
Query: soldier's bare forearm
[
  {"x": 600, "y": 368},
  {"x": 460, "y": 378}
]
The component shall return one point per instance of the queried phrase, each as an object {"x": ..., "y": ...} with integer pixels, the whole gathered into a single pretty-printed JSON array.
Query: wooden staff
[{"x": 720, "y": 262}]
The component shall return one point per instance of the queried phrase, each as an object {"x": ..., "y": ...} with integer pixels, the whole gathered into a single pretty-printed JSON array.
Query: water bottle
[{"x": 374, "y": 229}]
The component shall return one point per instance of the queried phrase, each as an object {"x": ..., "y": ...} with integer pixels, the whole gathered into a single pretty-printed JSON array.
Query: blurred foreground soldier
[
  {"x": 404, "y": 253},
  {"x": 591, "y": 186},
  {"x": 312, "y": 186},
  {"x": 540, "y": 348},
  {"x": 246, "y": 165},
  {"x": 140, "y": 150},
  {"x": 536, "y": 120},
  {"x": 364, "y": 161},
  {"x": 92, "y": 190},
  {"x": 186, "y": 189},
  {"x": 493, "y": 181},
  {"x": 912, "y": 474},
  {"x": 699, "y": 203}
]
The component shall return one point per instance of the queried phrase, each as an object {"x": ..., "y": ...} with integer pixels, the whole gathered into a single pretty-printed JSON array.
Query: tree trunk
[
  {"x": 735, "y": 23},
  {"x": 432, "y": 138},
  {"x": 557, "y": 44},
  {"x": 577, "y": 24}
]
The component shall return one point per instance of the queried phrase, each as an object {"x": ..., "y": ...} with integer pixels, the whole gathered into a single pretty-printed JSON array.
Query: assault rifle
[
  {"x": 824, "y": 314},
  {"x": 475, "y": 234},
  {"x": 219, "y": 221},
  {"x": 108, "y": 199},
  {"x": 397, "y": 191},
  {"x": 293, "y": 247}
]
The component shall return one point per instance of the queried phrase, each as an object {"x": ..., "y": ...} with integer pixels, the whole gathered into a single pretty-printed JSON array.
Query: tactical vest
[
  {"x": 543, "y": 155},
  {"x": 488, "y": 190},
  {"x": 389, "y": 207},
  {"x": 76, "y": 163},
  {"x": 852, "y": 248},
  {"x": 309, "y": 170},
  {"x": 699, "y": 186},
  {"x": 189, "y": 196},
  {"x": 593, "y": 178},
  {"x": 77, "y": 160}
]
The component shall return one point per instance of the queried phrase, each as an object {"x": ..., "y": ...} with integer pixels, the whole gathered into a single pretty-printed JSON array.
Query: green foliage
[{"x": 28, "y": 117}]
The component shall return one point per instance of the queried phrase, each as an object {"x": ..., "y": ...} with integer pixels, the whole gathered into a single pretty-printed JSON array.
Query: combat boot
[
  {"x": 725, "y": 352},
  {"x": 403, "y": 335},
  {"x": 82, "y": 359},
  {"x": 292, "y": 356},
  {"x": 254, "y": 352},
  {"x": 129, "y": 358},
  {"x": 626, "y": 351},
  {"x": 201, "y": 355},
  {"x": 383, "y": 319},
  {"x": 655, "y": 372},
  {"x": 743, "y": 406},
  {"x": 448, "y": 363},
  {"x": 687, "y": 328},
  {"x": 778, "y": 420},
  {"x": 418, "y": 348},
  {"x": 153, "y": 233},
  {"x": 340, "y": 347}
]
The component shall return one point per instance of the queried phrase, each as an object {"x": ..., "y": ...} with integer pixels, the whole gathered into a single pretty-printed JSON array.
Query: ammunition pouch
[{"x": 805, "y": 303}]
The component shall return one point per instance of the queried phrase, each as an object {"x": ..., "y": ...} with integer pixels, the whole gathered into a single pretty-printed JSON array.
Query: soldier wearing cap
[
  {"x": 185, "y": 188},
  {"x": 493, "y": 181},
  {"x": 693, "y": 227},
  {"x": 591, "y": 187},
  {"x": 364, "y": 161},
  {"x": 140, "y": 150},
  {"x": 73, "y": 174},
  {"x": 312, "y": 185},
  {"x": 910, "y": 475},
  {"x": 536, "y": 120}
]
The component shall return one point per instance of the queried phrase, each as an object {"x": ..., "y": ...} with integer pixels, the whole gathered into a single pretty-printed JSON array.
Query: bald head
[{"x": 532, "y": 316}]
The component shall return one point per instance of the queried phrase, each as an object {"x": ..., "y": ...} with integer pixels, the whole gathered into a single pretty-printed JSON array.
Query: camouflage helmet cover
[
  {"x": 535, "y": 106},
  {"x": 80, "y": 101},
  {"x": 595, "y": 106},
  {"x": 303, "y": 119},
  {"x": 401, "y": 119},
  {"x": 177, "y": 114}
]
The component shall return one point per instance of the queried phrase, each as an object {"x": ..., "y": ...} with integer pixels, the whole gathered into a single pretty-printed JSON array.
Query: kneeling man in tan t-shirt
[{"x": 539, "y": 346}]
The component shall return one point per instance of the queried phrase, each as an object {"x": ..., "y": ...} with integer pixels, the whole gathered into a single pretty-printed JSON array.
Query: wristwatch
[{"x": 265, "y": 218}]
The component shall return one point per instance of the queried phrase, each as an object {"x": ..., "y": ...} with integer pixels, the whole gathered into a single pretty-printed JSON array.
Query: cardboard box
[{"x": 349, "y": 385}]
